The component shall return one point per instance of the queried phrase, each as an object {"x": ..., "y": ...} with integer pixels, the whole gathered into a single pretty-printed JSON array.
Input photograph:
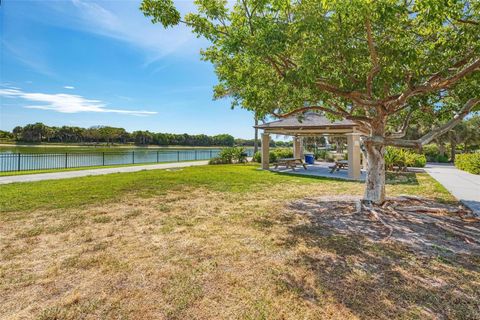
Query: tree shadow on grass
[
  {"x": 420, "y": 272},
  {"x": 404, "y": 178},
  {"x": 391, "y": 178}
]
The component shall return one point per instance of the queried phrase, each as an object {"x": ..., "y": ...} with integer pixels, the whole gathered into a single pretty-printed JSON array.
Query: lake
[{"x": 22, "y": 158}]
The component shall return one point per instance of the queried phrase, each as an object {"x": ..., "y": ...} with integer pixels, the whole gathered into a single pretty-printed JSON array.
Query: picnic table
[
  {"x": 290, "y": 163},
  {"x": 341, "y": 164}
]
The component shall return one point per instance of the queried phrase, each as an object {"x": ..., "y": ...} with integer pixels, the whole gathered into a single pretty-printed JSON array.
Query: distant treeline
[{"x": 39, "y": 132}]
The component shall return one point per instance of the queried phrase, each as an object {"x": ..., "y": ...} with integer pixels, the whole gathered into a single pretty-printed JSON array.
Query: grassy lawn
[{"x": 216, "y": 242}]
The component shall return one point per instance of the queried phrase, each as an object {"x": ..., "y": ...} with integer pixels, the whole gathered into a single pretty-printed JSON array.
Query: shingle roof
[{"x": 309, "y": 120}]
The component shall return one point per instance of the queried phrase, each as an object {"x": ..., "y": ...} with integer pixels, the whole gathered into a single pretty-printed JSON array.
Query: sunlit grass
[{"x": 212, "y": 242}]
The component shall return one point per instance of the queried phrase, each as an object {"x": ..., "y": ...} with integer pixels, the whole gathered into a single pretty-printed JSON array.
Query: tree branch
[
  {"x": 472, "y": 22},
  {"x": 467, "y": 108},
  {"x": 433, "y": 83},
  {"x": 401, "y": 133},
  {"x": 374, "y": 57},
  {"x": 354, "y": 96},
  {"x": 276, "y": 67}
]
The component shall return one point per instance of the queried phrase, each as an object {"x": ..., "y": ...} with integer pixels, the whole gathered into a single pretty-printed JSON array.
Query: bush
[
  {"x": 321, "y": 154},
  {"x": 431, "y": 151},
  {"x": 230, "y": 155},
  {"x": 281, "y": 153},
  {"x": 402, "y": 158},
  {"x": 469, "y": 162},
  {"x": 275, "y": 154},
  {"x": 257, "y": 157},
  {"x": 441, "y": 159},
  {"x": 416, "y": 160},
  {"x": 218, "y": 160}
]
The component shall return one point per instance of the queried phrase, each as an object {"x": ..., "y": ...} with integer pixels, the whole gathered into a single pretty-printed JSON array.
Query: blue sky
[{"x": 85, "y": 63}]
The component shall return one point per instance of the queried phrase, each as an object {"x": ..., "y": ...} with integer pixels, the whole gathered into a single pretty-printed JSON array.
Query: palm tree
[{"x": 255, "y": 140}]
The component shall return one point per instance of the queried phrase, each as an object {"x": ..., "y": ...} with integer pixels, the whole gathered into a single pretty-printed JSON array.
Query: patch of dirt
[{"x": 425, "y": 226}]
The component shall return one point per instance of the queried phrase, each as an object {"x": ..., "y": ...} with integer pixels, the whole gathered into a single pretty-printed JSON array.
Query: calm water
[{"x": 41, "y": 158}]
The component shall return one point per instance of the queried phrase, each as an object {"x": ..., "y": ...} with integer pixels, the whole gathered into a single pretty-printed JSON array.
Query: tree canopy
[{"x": 378, "y": 63}]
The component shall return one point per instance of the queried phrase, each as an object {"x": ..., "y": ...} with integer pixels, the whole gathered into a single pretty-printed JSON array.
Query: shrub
[
  {"x": 239, "y": 154},
  {"x": 441, "y": 158},
  {"x": 275, "y": 154},
  {"x": 403, "y": 158},
  {"x": 430, "y": 151},
  {"x": 230, "y": 155},
  {"x": 227, "y": 155},
  {"x": 257, "y": 157},
  {"x": 321, "y": 154},
  {"x": 218, "y": 160},
  {"x": 281, "y": 153},
  {"x": 419, "y": 161},
  {"x": 469, "y": 162},
  {"x": 329, "y": 157}
]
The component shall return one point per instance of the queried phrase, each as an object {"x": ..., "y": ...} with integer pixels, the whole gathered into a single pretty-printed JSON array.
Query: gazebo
[{"x": 314, "y": 124}]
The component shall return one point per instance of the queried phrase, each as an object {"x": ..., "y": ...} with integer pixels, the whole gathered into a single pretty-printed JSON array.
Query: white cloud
[
  {"x": 66, "y": 103},
  {"x": 69, "y": 87},
  {"x": 30, "y": 53},
  {"x": 126, "y": 23}
]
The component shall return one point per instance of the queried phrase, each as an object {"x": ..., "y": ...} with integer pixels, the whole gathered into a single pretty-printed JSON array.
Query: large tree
[{"x": 377, "y": 63}]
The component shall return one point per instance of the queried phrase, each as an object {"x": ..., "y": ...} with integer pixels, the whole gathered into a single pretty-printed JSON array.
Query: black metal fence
[{"x": 45, "y": 161}]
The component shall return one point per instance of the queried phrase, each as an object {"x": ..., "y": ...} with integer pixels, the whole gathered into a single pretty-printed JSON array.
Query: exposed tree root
[
  {"x": 377, "y": 215},
  {"x": 421, "y": 223},
  {"x": 459, "y": 233}
]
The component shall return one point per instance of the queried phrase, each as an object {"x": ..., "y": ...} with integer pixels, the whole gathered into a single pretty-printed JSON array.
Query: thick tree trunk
[
  {"x": 375, "y": 181},
  {"x": 453, "y": 147},
  {"x": 441, "y": 149}
]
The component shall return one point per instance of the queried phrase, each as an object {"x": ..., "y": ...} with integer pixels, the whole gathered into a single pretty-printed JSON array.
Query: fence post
[
  {"x": 66, "y": 160},
  {"x": 103, "y": 158},
  {"x": 19, "y": 161},
  {"x": 133, "y": 157},
  {"x": 195, "y": 154},
  {"x": 211, "y": 154},
  {"x": 178, "y": 156},
  {"x": 157, "y": 156}
]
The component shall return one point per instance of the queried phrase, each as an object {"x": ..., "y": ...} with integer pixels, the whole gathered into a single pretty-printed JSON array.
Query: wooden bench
[
  {"x": 339, "y": 165},
  {"x": 290, "y": 163}
]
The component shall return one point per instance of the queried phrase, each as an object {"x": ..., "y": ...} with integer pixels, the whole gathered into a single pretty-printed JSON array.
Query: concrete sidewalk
[
  {"x": 463, "y": 185},
  {"x": 96, "y": 172}
]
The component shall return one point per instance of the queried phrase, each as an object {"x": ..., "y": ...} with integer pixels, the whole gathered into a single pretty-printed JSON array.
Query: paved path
[
  {"x": 463, "y": 185},
  {"x": 96, "y": 172}
]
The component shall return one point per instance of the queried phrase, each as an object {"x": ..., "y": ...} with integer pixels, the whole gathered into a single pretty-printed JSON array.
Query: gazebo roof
[{"x": 310, "y": 124}]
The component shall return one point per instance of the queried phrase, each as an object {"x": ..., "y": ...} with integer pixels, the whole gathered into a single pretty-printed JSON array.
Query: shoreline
[{"x": 3, "y": 145}]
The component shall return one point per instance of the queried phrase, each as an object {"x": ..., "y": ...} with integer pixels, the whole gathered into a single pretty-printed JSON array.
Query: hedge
[
  {"x": 469, "y": 162},
  {"x": 230, "y": 155},
  {"x": 402, "y": 158},
  {"x": 275, "y": 154}
]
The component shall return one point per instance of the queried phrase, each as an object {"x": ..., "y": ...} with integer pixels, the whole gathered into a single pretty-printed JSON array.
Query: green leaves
[
  {"x": 272, "y": 56},
  {"x": 161, "y": 11}
]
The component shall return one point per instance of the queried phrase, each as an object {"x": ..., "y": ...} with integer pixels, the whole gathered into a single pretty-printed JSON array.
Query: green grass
[
  {"x": 217, "y": 242},
  {"x": 70, "y": 193}
]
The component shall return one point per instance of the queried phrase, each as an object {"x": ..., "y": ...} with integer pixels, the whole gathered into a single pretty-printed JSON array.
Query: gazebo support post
[
  {"x": 297, "y": 147},
  {"x": 354, "y": 165},
  {"x": 265, "y": 151}
]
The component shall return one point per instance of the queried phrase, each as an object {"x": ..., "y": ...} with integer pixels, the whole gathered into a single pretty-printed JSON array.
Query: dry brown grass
[{"x": 201, "y": 254}]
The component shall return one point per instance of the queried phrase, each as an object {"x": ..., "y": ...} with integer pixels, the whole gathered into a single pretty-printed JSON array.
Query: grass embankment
[{"x": 210, "y": 243}]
